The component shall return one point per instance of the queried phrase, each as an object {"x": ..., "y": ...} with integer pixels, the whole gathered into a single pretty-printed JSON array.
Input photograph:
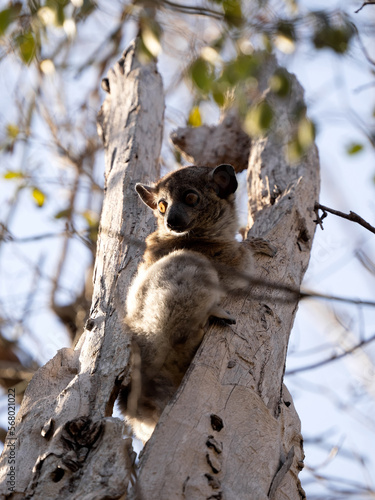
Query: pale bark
[
  {"x": 237, "y": 375},
  {"x": 68, "y": 445},
  {"x": 231, "y": 143}
]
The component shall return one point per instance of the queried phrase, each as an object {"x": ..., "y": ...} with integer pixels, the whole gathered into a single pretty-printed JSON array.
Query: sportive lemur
[{"x": 190, "y": 263}]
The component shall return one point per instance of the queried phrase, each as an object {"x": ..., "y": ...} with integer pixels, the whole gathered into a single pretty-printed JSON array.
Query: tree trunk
[
  {"x": 67, "y": 443},
  {"x": 231, "y": 431}
]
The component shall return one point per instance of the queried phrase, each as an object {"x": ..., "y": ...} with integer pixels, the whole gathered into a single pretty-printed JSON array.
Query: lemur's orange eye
[
  {"x": 191, "y": 198},
  {"x": 162, "y": 206}
]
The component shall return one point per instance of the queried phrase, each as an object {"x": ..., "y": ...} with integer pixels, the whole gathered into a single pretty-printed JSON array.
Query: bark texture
[
  {"x": 232, "y": 143},
  {"x": 232, "y": 431},
  {"x": 67, "y": 443}
]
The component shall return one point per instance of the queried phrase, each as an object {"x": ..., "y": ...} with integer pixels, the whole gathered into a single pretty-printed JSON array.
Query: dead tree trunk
[{"x": 231, "y": 431}]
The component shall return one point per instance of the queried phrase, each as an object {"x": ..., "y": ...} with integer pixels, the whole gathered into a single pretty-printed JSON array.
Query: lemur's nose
[{"x": 176, "y": 220}]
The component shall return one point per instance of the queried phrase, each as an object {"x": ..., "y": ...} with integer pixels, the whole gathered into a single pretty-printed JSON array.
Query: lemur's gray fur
[{"x": 191, "y": 261}]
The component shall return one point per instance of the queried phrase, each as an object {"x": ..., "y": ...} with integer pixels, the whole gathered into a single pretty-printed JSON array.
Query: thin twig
[
  {"x": 292, "y": 294},
  {"x": 352, "y": 216},
  {"x": 190, "y": 9},
  {"x": 335, "y": 357},
  {"x": 363, "y": 48},
  {"x": 365, "y": 86},
  {"x": 319, "y": 220},
  {"x": 27, "y": 239},
  {"x": 363, "y": 5},
  {"x": 336, "y": 298}
]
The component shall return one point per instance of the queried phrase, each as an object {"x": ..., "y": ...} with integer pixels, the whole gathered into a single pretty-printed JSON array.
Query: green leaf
[
  {"x": 280, "y": 83},
  {"x": 259, "y": 119},
  {"x": 195, "y": 119},
  {"x": 177, "y": 155},
  {"x": 303, "y": 140},
  {"x": 335, "y": 38},
  {"x": 354, "y": 148},
  {"x": 7, "y": 16},
  {"x": 202, "y": 74},
  {"x": 93, "y": 233},
  {"x": 60, "y": 14},
  {"x": 27, "y": 46},
  {"x": 218, "y": 93},
  {"x": 13, "y": 174},
  {"x": 244, "y": 66},
  {"x": 233, "y": 12},
  {"x": 306, "y": 133},
  {"x": 5, "y": 20},
  {"x": 91, "y": 218},
  {"x": 294, "y": 151},
  {"x": 151, "y": 35},
  {"x": 38, "y": 196},
  {"x": 63, "y": 214},
  {"x": 12, "y": 131}
]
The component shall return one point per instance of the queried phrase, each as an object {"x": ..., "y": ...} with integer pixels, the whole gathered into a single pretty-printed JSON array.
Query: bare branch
[
  {"x": 363, "y": 48},
  {"x": 292, "y": 293},
  {"x": 363, "y": 5},
  {"x": 334, "y": 357},
  {"x": 352, "y": 216},
  {"x": 8, "y": 237},
  {"x": 190, "y": 9}
]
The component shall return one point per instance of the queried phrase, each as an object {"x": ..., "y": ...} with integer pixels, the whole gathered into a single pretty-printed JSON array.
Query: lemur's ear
[
  {"x": 225, "y": 182},
  {"x": 147, "y": 195}
]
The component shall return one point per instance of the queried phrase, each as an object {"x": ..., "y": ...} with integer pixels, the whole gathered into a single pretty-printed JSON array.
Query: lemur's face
[{"x": 193, "y": 201}]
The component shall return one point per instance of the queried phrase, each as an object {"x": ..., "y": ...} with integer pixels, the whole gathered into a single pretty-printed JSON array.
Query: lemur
[{"x": 190, "y": 263}]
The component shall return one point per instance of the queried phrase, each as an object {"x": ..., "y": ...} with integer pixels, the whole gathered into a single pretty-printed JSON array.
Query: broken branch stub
[{"x": 214, "y": 145}]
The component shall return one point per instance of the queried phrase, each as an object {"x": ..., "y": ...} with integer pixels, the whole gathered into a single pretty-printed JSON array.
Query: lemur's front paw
[
  {"x": 217, "y": 313},
  {"x": 260, "y": 245},
  {"x": 222, "y": 321}
]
